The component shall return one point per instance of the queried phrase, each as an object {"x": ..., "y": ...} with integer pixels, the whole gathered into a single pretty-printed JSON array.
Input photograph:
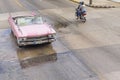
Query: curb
[
  {"x": 95, "y": 6},
  {"x": 100, "y": 6}
]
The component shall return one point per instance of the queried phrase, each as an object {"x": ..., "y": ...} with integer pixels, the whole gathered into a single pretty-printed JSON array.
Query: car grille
[{"x": 37, "y": 38}]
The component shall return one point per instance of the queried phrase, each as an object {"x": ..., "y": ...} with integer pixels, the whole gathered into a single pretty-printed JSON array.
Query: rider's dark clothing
[{"x": 80, "y": 10}]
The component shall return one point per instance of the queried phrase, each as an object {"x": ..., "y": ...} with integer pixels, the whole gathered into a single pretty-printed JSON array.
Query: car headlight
[
  {"x": 22, "y": 39},
  {"x": 50, "y": 35}
]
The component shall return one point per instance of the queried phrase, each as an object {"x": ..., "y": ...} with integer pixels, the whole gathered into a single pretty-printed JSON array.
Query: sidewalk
[{"x": 100, "y": 3}]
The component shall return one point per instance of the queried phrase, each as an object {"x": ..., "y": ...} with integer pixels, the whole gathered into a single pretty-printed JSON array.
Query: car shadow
[{"x": 36, "y": 54}]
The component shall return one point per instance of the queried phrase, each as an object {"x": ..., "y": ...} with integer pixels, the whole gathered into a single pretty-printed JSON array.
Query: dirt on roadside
[{"x": 104, "y": 3}]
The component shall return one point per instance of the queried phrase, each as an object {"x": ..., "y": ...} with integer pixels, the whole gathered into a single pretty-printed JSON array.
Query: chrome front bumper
[{"x": 35, "y": 41}]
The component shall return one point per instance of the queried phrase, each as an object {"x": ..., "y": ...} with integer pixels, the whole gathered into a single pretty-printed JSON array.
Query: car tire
[
  {"x": 48, "y": 42},
  {"x": 20, "y": 46}
]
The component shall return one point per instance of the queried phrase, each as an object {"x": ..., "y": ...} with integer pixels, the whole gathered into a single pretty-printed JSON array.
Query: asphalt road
[{"x": 83, "y": 51}]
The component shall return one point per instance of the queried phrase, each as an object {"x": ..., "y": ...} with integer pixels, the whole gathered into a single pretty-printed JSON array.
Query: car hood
[{"x": 36, "y": 30}]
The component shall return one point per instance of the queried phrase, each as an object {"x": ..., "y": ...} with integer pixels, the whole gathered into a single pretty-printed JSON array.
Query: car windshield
[{"x": 22, "y": 21}]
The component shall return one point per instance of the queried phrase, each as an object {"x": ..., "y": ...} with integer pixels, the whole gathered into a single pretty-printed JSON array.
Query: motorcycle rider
[{"x": 80, "y": 9}]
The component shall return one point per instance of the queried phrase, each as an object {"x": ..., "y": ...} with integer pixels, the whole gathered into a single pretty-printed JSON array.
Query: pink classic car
[{"x": 31, "y": 30}]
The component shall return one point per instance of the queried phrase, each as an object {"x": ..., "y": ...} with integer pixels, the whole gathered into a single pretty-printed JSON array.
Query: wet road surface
[
  {"x": 39, "y": 62},
  {"x": 87, "y": 51}
]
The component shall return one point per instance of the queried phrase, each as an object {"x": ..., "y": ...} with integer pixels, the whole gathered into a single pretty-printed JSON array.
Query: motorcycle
[{"x": 81, "y": 15}]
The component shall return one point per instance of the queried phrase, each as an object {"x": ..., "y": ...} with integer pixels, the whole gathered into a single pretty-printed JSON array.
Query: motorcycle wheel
[{"x": 83, "y": 19}]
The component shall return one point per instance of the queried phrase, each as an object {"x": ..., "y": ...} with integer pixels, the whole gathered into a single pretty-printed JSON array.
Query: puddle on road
[
  {"x": 65, "y": 65},
  {"x": 30, "y": 55}
]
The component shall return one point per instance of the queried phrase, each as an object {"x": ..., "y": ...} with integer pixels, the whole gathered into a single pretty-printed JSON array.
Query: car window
[{"x": 29, "y": 20}]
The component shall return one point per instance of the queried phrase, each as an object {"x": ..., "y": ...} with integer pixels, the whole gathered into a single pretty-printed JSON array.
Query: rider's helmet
[{"x": 81, "y": 3}]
